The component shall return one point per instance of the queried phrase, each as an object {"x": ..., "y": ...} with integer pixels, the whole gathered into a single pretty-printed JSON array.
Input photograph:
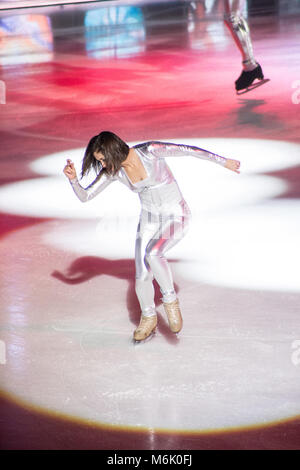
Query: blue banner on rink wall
[{"x": 114, "y": 40}]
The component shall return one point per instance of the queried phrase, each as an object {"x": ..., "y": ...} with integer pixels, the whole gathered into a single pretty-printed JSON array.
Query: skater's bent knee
[
  {"x": 232, "y": 19},
  {"x": 151, "y": 254}
]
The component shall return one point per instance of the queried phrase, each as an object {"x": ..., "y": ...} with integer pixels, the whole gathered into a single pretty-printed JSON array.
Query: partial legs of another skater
[{"x": 240, "y": 32}]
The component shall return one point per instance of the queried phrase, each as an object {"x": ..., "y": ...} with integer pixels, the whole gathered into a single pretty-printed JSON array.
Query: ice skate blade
[{"x": 254, "y": 85}]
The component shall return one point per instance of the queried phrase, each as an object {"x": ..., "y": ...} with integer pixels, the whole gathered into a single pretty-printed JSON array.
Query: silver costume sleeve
[
  {"x": 166, "y": 149},
  {"x": 96, "y": 187}
]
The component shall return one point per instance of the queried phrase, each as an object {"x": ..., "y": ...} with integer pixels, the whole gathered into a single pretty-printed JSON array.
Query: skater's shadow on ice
[
  {"x": 247, "y": 114},
  {"x": 88, "y": 267}
]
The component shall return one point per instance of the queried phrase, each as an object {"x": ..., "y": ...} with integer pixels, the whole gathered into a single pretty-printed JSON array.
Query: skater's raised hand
[
  {"x": 69, "y": 170},
  {"x": 233, "y": 165}
]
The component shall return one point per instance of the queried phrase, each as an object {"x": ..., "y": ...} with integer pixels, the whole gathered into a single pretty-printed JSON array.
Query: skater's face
[{"x": 100, "y": 157}]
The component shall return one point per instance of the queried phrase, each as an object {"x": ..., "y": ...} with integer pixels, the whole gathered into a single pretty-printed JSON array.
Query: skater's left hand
[{"x": 233, "y": 165}]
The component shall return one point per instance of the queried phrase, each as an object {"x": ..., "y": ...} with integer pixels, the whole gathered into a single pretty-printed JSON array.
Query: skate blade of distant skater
[{"x": 252, "y": 86}]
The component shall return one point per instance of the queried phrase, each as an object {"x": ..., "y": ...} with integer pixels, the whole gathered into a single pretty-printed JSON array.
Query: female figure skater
[{"x": 164, "y": 214}]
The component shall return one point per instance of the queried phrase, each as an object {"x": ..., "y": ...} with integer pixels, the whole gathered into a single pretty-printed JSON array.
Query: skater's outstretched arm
[
  {"x": 85, "y": 194},
  {"x": 166, "y": 149}
]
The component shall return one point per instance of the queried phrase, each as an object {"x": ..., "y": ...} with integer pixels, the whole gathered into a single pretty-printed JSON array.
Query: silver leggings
[
  {"x": 157, "y": 233},
  {"x": 239, "y": 30}
]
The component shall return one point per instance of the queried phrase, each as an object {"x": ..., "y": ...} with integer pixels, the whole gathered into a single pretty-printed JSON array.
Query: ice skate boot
[
  {"x": 245, "y": 81},
  {"x": 146, "y": 327},
  {"x": 172, "y": 310}
]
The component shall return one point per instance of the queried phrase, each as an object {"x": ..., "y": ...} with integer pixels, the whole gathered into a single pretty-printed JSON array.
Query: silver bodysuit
[{"x": 164, "y": 216}]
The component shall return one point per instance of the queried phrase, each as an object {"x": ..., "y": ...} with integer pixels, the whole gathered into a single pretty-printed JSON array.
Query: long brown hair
[{"x": 114, "y": 150}]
